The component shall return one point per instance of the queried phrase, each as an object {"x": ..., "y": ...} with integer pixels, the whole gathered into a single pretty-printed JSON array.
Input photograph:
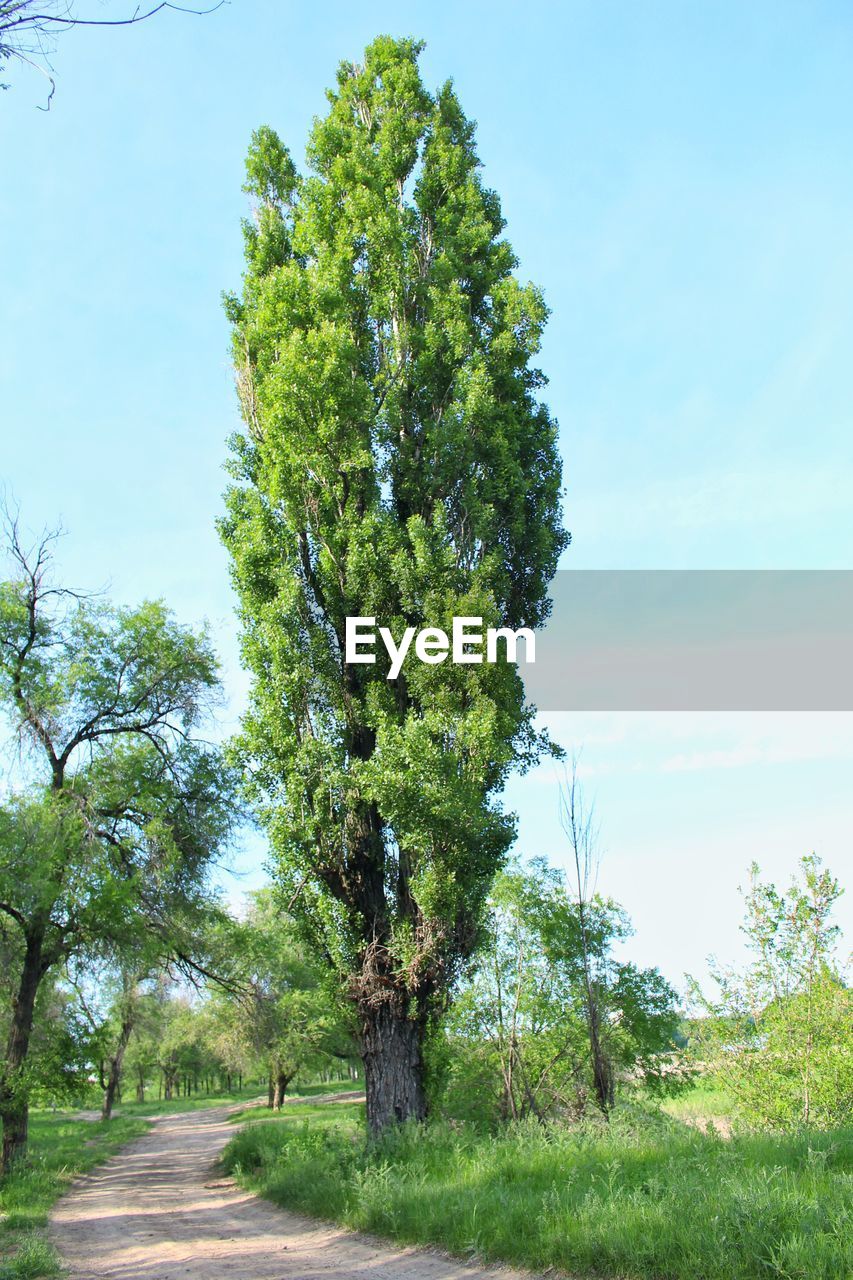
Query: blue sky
[{"x": 676, "y": 177}]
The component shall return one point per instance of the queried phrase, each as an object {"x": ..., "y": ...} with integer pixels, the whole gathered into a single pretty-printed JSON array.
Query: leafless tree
[
  {"x": 582, "y": 832},
  {"x": 29, "y": 29}
]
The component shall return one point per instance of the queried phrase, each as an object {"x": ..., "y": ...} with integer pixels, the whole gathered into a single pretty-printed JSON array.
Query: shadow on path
[{"x": 157, "y": 1211}]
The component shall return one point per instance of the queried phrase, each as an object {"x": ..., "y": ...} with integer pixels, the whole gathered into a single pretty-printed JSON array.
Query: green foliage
[
  {"x": 641, "y": 1197},
  {"x": 282, "y": 1021},
  {"x": 518, "y": 1036},
  {"x": 108, "y": 829},
  {"x": 60, "y": 1058},
  {"x": 396, "y": 462},
  {"x": 779, "y": 1034}
]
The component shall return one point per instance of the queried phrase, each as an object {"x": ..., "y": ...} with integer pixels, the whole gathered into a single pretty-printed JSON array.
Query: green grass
[
  {"x": 197, "y": 1102},
  {"x": 651, "y": 1198},
  {"x": 705, "y": 1101},
  {"x": 318, "y": 1090},
  {"x": 60, "y": 1148},
  {"x": 324, "y": 1111}
]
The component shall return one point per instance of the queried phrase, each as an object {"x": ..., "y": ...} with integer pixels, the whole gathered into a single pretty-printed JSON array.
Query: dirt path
[{"x": 157, "y": 1211}]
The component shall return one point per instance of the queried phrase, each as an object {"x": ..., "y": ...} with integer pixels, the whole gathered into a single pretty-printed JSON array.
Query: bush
[{"x": 778, "y": 1034}]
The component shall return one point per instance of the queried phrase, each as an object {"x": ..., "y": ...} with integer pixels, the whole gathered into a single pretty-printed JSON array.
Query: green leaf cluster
[
  {"x": 778, "y": 1034},
  {"x": 395, "y": 461}
]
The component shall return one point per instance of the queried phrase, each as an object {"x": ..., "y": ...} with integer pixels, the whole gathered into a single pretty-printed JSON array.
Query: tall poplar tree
[{"x": 397, "y": 462}]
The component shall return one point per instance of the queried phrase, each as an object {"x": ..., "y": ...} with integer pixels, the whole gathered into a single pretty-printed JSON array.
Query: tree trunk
[
  {"x": 393, "y": 1068},
  {"x": 114, "y": 1079},
  {"x": 602, "y": 1071},
  {"x": 280, "y": 1088},
  {"x": 14, "y": 1108},
  {"x": 270, "y": 1092}
]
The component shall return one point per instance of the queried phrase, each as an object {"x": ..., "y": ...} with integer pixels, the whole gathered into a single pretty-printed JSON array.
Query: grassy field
[
  {"x": 703, "y": 1105},
  {"x": 60, "y": 1148},
  {"x": 651, "y": 1198}
]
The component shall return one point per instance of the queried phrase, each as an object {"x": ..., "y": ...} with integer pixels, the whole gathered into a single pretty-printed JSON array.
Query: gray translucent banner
[{"x": 695, "y": 640}]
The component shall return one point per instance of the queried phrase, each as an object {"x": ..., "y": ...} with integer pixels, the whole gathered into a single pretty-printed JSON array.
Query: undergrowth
[{"x": 646, "y": 1197}]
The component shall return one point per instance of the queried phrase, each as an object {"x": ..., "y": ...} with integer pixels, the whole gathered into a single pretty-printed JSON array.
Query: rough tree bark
[
  {"x": 281, "y": 1080},
  {"x": 14, "y": 1109},
  {"x": 393, "y": 1067}
]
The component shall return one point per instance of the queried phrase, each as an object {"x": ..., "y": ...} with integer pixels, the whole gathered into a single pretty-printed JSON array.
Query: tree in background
[
  {"x": 515, "y": 1047},
  {"x": 120, "y": 808},
  {"x": 778, "y": 1034},
  {"x": 396, "y": 462},
  {"x": 579, "y": 826},
  {"x": 192, "y": 940},
  {"x": 110, "y": 1016},
  {"x": 152, "y": 1015},
  {"x": 519, "y": 1031},
  {"x": 283, "y": 1012}
]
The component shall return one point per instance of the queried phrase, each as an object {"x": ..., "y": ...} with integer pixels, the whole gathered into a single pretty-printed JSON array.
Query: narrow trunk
[
  {"x": 114, "y": 1078},
  {"x": 14, "y": 1109},
  {"x": 393, "y": 1068},
  {"x": 602, "y": 1072}
]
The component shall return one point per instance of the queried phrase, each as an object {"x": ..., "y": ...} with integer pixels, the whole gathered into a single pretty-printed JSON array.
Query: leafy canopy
[
  {"x": 108, "y": 829},
  {"x": 396, "y": 461}
]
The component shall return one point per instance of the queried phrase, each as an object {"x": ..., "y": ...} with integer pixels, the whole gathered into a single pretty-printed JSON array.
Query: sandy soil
[
  {"x": 722, "y": 1124},
  {"x": 159, "y": 1211}
]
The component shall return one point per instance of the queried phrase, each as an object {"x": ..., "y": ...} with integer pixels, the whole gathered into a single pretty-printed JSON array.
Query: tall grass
[{"x": 649, "y": 1198}]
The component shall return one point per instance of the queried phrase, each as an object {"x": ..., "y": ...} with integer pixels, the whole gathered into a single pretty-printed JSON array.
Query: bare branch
[{"x": 28, "y": 29}]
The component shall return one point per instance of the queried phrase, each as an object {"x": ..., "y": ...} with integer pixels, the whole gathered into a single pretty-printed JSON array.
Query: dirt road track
[{"x": 157, "y": 1211}]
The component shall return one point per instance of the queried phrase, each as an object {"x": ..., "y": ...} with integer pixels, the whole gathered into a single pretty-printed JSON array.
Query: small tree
[
  {"x": 396, "y": 462},
  {"x": 121, "y": 808},
  {"x": 516, "y": 1044},
  {"x": 579, "y": 826},
  {"x": 143, "y": 1051},
  {"x": 190, "y": 940},
  {"x": 778, "y": 1034},
  {"x": 282, "y": 1007},
  {"x": 520, "y": 1027}
]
